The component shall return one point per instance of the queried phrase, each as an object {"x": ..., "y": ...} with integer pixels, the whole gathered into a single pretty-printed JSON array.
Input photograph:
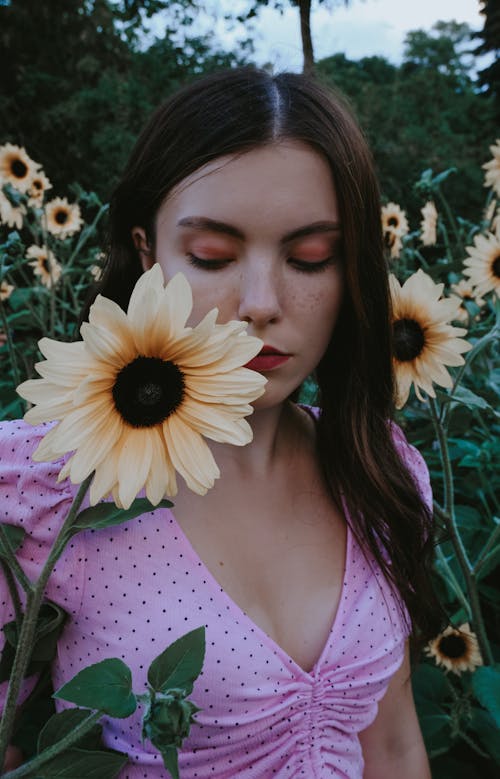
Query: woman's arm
[{"x": 393, "y": 745}]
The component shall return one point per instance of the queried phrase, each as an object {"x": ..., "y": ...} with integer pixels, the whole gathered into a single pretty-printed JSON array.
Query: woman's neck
[{"x": 276, "y": 431}]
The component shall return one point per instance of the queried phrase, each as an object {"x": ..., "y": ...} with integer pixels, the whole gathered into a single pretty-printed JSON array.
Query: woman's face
[{"x": 258, "y": 236}]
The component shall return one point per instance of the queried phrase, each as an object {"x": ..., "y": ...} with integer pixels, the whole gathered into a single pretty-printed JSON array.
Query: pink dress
[{"x": 134, "y": 588}]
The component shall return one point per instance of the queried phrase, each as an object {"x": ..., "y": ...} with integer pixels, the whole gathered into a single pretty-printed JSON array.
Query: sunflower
[
  {"x": 39, "y": 186},
  {"x": 63, "y": 218},
  {"x": 482, "y": 266},
  {"x": 16, "y": 167},
  {"x": 394, "y": 227},
  {"x": 10, "y": 215},
  {"x": 423, "y": 341},
  {"x": 492, "y": 168},
  {"x": 5, "y": 290},
  {"x": 465, "y": 291},
  {"x": 456, "y": 649},
  {"x": 96, "y": 272},
  {"x": 428, "y": 225},
  {"x": 44, "y": 264},
  {"x": 135, "y": 397}
]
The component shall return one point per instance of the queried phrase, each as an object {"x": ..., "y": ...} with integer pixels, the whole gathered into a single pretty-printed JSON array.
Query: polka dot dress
[{"x": 133, "y": 589}]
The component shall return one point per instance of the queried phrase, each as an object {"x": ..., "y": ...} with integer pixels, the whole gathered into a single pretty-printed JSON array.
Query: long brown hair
[{"x": 235, "y": 111}]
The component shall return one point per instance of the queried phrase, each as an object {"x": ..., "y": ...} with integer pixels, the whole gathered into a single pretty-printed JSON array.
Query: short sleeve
[
  {"x": 31, "y": 498},
  {"x": 415, "y": 463}
]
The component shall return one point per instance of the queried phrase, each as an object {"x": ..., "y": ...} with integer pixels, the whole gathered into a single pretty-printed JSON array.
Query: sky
[{"x": 364, "y": 28}]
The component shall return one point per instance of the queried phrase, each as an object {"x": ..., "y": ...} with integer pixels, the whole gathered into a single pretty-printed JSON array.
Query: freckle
[{"x": 220, "y": 562}]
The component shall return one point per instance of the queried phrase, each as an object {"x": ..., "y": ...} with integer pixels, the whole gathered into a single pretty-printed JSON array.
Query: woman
[{"x": 307, "y": 561}]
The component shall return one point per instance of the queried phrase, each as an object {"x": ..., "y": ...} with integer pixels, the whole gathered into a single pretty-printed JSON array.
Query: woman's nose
[{"x": 260, "y": 299}]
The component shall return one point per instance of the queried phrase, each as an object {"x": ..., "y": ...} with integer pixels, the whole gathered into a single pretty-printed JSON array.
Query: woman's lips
[{"x": 267, "y": 359}]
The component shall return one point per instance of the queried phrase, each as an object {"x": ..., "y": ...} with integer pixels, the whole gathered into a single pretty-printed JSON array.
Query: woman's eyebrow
[{"x": 204, "y": 223}]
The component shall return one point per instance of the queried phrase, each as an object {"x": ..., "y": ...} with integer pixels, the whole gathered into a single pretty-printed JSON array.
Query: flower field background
[{"x": 440, "y": 176}]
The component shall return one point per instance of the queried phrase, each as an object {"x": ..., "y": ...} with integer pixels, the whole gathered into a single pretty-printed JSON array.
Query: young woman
[{"x": 307, "y": 562}]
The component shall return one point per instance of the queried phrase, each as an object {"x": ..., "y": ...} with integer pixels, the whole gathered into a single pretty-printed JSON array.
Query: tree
[
  {"x": 489, "y": 76},
  {"x": 426, "y": 113},
  {"x": 77, "y": 88},
  {"x": 304, "y": 7}
]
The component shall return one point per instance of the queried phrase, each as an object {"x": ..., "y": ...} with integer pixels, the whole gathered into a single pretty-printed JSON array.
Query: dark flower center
[
  {"x": 409, "y": 339},
  {"x": 393, "y": 221},
  {"x": 19, "y": 169},
  {"x": 61, "y": 216},
  {"x": 453, "y": 646},
  {"x": 148, "y": 390},
  {"x": 37, "y": 184},
  {"x": 495, "y": 266}
]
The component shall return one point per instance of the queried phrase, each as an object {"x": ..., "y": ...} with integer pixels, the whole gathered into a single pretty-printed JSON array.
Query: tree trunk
[{"x": 305, "y": 32}]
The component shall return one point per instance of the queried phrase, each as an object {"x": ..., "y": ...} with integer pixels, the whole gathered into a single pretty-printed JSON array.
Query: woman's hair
[{"x": 236, "y": 111}]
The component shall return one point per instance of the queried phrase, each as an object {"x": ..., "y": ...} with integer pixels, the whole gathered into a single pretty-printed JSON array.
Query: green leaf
[
  {"x": 108, "y": 514},
  {"x": 180, "y": 664},
  {"x": 430, "y": 685},
  {"x": 483, "y": 726},
  {"x": 15, "y": 535},
  {"x": 470, "y": 399},
  {"x": 59, "y": 725},
  {"x": 106, "y": 686},
  {"x": 78, "y": 763},
  {"x": 486, "y": 686},
  {"x": 170, "y": 761}
]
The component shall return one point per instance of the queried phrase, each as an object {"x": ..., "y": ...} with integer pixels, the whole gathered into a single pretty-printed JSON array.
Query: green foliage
[
  {"x": 77, "y": 75},
  {"x": 106, "y": 686},
  {"x": 180, "y": 664},
  {"x": 108, "y": 514},
  {"x": 421, "y": 114}
]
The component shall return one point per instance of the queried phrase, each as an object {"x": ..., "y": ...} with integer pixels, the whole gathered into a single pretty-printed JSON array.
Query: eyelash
[{"x": 300, "y": 265}]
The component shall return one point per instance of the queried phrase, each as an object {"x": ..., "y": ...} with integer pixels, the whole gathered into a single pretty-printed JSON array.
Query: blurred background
[{"x": 80, "y": 78}]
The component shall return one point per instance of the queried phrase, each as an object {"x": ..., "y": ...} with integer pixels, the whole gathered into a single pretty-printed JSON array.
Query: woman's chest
[{"x": 281, "y": 563}]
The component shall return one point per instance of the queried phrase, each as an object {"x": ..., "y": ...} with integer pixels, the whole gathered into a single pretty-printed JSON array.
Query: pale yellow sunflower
[
  {"x": 492, "y": 168},
  {"x": 428, "y": 225},
  {"x": 456, "y": 649},
  {"x": 44, "y": 265},
  {"x": 394, "y": 227},
  {"x": 96, "y": 272},
  {"x": 11, "y": 215},
  {"x": 63, "y": 218},
  {"x": 6, "y": 290},
  {"x": 16, "y": 167},
  {"x": 482, "y": 266},
  {"x": 134, "y": 399},
  {"x": 423, "y": 341},
  {"x": 39, "y": 186},
  {"x": 465, "y": 291}
]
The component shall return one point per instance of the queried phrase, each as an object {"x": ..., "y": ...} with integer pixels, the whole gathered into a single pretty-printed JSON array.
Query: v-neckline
[{"x": 233, "y": 605}]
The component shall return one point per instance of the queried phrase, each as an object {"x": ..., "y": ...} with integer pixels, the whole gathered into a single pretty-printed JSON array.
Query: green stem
[
  {"x": 50, "y": 752},
  {"x": 14, "y": 595},
  {"x": 453, "y": 581},
  {"x": 28, "y": 626},
  {"x": 451, "y": 220},
  {"x": 476, "y": 349},
  {"x": 13, "y": 562},
  {"x": 448, "y": 517},
  {"x": 86, "y": 234},
  {"x": 485, "y": 550}
]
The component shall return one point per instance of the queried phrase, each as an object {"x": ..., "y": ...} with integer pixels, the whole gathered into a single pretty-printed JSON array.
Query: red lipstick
[{"x": 268, "y": 358}]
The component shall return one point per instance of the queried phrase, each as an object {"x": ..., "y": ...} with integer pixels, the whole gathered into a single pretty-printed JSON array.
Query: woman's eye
[
  {"x": 207, "y": 264},
  {"x": 307, "y": 266}
]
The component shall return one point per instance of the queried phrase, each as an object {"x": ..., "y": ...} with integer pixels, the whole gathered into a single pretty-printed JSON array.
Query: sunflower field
[{"x": 445, "y": 286}]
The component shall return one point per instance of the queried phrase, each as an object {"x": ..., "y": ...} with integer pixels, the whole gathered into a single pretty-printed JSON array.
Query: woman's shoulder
[
  {"x": 28, "y": 489},
  {"x": 414, "y": 462}
]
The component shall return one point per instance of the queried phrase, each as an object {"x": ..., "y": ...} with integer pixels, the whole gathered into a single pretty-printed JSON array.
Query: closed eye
[
  {"x": 211, "y": 264},
  {"x": 305, "y": 266}
]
